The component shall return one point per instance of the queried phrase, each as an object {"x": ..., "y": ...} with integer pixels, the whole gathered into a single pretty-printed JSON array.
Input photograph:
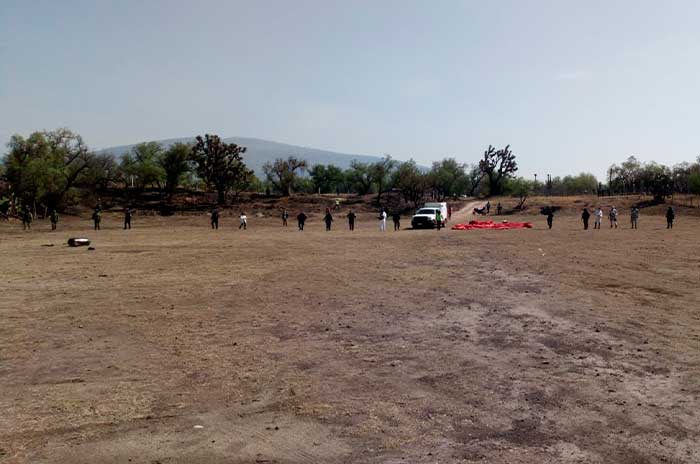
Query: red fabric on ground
[{"x": 490, "y": 225}]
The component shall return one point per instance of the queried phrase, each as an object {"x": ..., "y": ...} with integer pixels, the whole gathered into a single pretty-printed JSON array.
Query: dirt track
[{"x": 532, "y": 346}]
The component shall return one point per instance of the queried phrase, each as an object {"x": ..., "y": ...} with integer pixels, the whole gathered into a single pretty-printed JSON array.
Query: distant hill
[{"x": 258, "y": 152}]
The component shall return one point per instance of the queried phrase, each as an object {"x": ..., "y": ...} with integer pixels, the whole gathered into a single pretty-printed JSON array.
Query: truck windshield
[{"x": 426, "y": 211}]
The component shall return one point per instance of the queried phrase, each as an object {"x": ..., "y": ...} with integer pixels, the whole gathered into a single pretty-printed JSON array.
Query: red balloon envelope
[{"x": 490, "y": 225}]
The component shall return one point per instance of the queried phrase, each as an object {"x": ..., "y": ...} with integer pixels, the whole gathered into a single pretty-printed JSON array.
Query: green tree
[
  {"x": 381, "y": 173},
  {"x": 175, "y": 162},
  {"x": 46, "y": 166},
  {"x": 360, "y": 176},
  {"x": 103, "y": 171},
  {"x": 519, "y": 188},
  {"x": 694, "y": 183},
  {"x": 283, "y": 173},
  {"x": 220, "y": 164},
  {"x": 448, "y": 178},
  {"x": 412, "y": 183},
  {"x": 141, "y": 166},
  {"x": 327, "y": 179},
  {"x": 657, "y": 180},
  {"x": 497, "y": 166}
]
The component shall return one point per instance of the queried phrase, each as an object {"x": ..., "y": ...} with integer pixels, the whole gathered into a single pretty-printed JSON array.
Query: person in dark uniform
[
  {"x": 488, "y": 207},
  {"x": 54, "y": 219},
  {"x": 670, "y": 216},
  {"x": 285, "y": 216},
  {"x": 215, "y": 218},
  {"x": 328, "y": 219},
  {"x": 27, "y": 218},
  {"x": 585, "y": 216},
  {"x": 127, "y": 218},
  {"x": 97, "y": 217},
  {"x": 351, "y": 220},
  {"x": 549, "y": 212},
  {"x": 301, "y": 219},
  {"x": 499, "y": 208},
  {"x": 396, "y": 217}
]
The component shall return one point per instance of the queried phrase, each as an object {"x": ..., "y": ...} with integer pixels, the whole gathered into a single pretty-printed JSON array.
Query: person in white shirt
[
  {"x": 244, "y": 221},
  {"x": 382, "y": 220},
  {"x": 598, "y": 218}
]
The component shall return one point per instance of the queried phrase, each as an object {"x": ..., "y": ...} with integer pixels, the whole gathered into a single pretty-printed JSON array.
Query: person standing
[
  {"x": 215, "y": 218},
  {"x": 585, "y": 216},
  {"x": 54, "y": 219},
  {"x": 396, "y": 217},
  {"x": 613, "y": 217},
  {"x": 499, "y": 208},
  {"x": 27, "y": 218},
  {"x": 488, "y": 207},
  {"x": 244, "y": 221},
  {"x": 438, "y": 219},
  {"x": 97, "y": 218},
  {"x": 598, "y": 218},
  {"x": 127, "y": 218},
  {"x": 301, "y": 219},
  {"x": 670, "y": 216},
  {"x": 549, "y": 212},
  {"x": 449, "y": 212},
  {"x": 285, "y": 216},
  {"x": 634, "y": 216},
  {"x": 328, "y": 219},
  {"x": 351, "y": 220},
  {"x": 382, "y": 220}
]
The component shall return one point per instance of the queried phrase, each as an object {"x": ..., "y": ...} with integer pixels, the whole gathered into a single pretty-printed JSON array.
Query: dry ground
[{"x": 173, "y": 343}]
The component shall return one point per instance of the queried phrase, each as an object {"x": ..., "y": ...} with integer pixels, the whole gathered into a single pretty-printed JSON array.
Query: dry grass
[{"x": 529, "y": 346}]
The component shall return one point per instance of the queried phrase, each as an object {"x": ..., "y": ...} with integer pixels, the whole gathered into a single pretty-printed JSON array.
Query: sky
[{"x": 571, "y": 86}]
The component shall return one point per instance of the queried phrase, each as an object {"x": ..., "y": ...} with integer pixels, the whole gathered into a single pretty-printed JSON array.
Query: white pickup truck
[{"x": 425, "y": 216}]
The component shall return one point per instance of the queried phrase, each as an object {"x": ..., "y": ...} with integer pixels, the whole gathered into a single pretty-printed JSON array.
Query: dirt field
[{"x": 173, "y": 343}]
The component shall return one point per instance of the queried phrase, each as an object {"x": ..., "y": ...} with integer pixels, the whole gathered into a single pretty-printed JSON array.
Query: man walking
[
  {"x": 54, "y": 219},
  {"x": 598, "y": 218},
  {"x": 328, "y": 219},
  {"x": 585, "y": 216},
  {"x": 351, "y": 220},
  {"x": 27, "y": 218},
  {"x": 396, "y": 217},
  {"x": 97, "y": 217},
  {"x": 670, "y": 216},
  {"x": 215, "y": 218},
  {"x": 613, "y": 217},
  {"x": 244, "y": 221},
  {"x": 127, "y": 218},
  {"x": 382, "y": 220},
  {"x": 301, "y": 219},
  {"x": 285, "y": 216},
  {"x": 634, "y": 216}
]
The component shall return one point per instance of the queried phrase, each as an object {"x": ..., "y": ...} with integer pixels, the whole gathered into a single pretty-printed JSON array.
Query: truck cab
[{"x": 425, "y": 216}]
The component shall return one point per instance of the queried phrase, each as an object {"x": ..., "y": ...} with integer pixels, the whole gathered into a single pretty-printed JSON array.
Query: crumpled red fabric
[{"x": 490, "y": 225}]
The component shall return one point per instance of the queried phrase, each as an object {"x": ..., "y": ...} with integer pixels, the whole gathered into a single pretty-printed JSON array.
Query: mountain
[{"x": 258, "y": 152}]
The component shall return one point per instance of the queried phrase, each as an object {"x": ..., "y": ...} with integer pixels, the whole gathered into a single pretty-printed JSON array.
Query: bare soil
[{"x": 174, "y": 343}]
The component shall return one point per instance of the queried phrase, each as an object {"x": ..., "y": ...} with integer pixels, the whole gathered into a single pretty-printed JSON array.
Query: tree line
[{"x": 52, "y": 169}]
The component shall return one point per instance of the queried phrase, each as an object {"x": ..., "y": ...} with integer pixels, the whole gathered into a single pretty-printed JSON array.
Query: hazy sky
[{"x": 572, "y": 86}]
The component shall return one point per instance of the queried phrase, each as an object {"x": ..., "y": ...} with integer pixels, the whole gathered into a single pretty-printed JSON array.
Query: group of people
[
  {"x": 28, "y": 218},
  {"x": 351, "y": 217},
  {"x": 243, "y": 224},
  {"x": 613, "y": 217}
]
